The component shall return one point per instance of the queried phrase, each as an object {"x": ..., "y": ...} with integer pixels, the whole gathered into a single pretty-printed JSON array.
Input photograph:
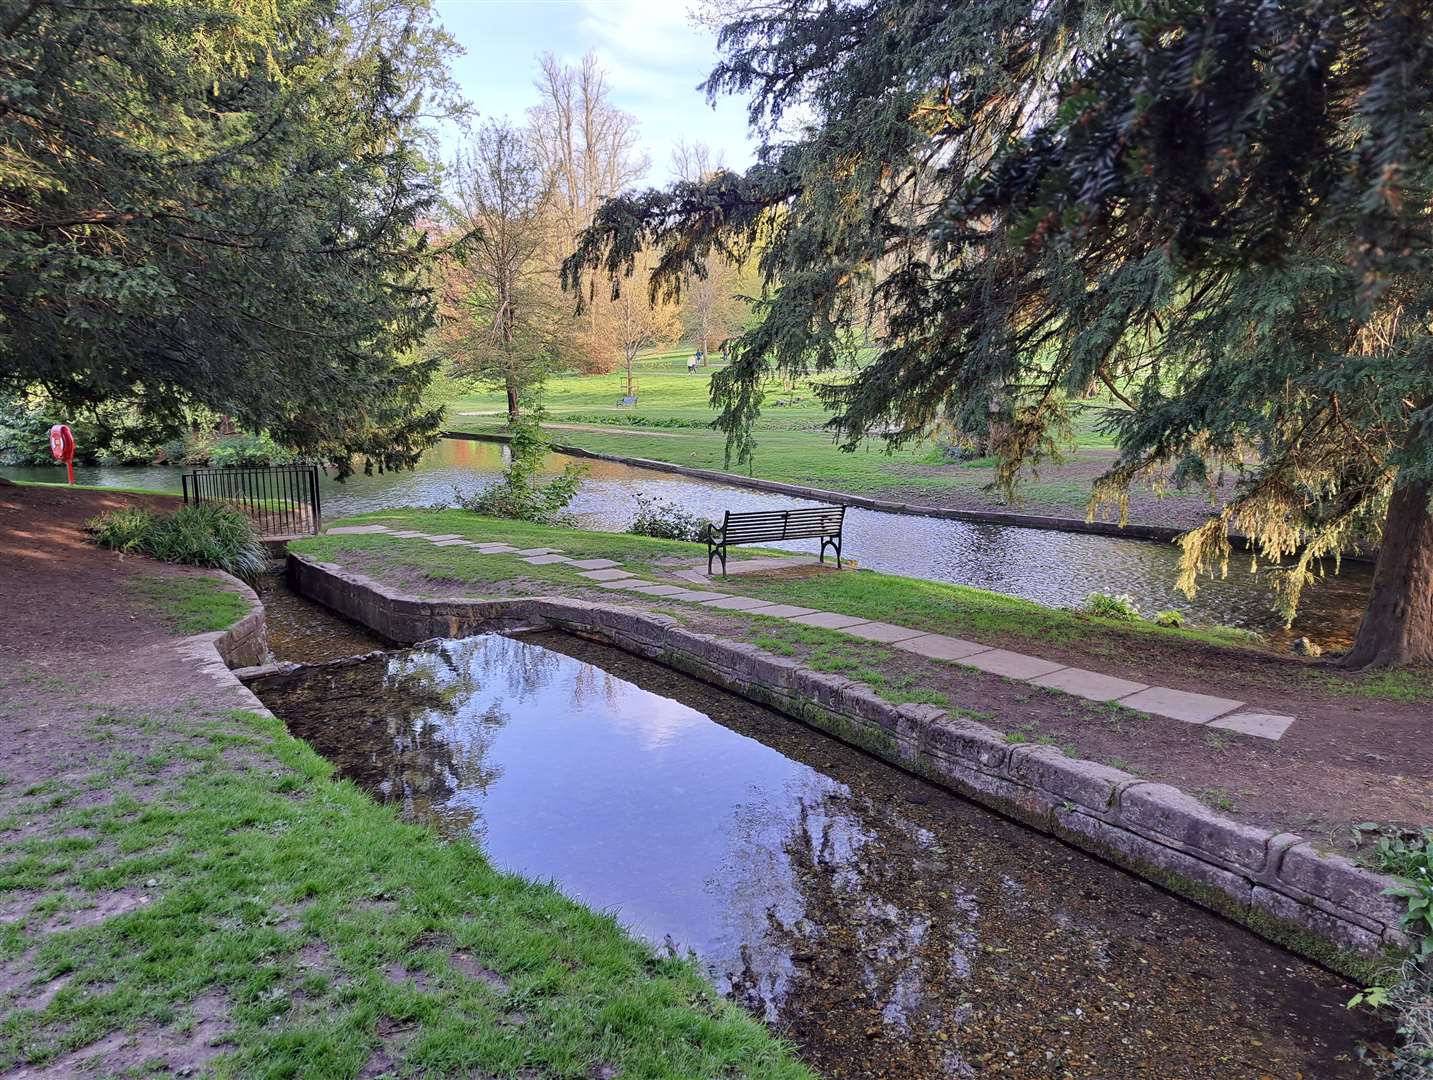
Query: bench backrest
[{"x": 800, "y": 523}]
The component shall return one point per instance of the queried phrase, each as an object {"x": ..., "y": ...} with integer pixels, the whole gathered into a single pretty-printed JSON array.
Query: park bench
[{"x": 766, "y": 526}]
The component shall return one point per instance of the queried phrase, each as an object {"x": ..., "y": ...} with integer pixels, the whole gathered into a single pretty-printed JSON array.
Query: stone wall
[
  {"x": 246, "y": 642},
  {"x": 1320, "y": 904}
]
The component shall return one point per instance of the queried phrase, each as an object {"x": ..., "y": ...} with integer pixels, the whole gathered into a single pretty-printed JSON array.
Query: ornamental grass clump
[{"x": 206, "y": 535}]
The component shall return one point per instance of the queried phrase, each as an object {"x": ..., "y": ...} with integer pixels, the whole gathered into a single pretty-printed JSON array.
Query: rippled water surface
[
  {"x": 1052, "y": 568},
  {"x": 885, "y": 926}
]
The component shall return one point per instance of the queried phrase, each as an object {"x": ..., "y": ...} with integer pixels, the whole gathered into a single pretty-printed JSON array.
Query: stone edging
[
  {"x": 243, "y": 644},
  {"x": 1322, "y": 905}
]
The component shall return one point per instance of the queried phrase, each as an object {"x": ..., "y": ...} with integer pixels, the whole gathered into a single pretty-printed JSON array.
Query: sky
[{"x": 654, "y": 53}]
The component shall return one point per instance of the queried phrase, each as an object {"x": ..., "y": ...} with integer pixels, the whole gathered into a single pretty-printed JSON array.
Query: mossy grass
[
  {"x": 322, "y": 921},
  {"x": 191, "y": 605}
]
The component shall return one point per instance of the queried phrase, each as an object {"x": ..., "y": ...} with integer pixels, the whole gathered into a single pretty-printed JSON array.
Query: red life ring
[{"x": 62, "y": 445}]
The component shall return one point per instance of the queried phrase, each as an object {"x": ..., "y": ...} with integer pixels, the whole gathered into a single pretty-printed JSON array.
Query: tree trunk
[
  {"x": 512, "y": 399},
  {"x": 1397, "y": 626}
]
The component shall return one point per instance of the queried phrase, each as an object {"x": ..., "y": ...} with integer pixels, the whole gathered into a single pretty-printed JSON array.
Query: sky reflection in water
[{"x": 887, "y": 927}]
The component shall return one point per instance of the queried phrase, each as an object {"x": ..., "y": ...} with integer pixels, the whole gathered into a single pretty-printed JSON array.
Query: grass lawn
[
  {"x": 928, "y": 605},
  {"x": 96, "y": 487},
  {"x": 671, "y": 423},
  {"x": 327, "y": 936}
]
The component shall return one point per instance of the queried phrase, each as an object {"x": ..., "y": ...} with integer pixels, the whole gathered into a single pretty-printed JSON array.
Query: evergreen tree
[
  {"x": 216, "y": 204},
  {"x": 1215, "y": 210}
]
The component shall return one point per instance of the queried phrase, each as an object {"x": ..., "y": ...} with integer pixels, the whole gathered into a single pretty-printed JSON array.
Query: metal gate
[{"x": 281, "y": 500}]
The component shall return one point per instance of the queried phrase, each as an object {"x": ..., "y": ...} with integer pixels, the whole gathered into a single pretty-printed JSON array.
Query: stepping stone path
[{"x": 1226, "y": 714}]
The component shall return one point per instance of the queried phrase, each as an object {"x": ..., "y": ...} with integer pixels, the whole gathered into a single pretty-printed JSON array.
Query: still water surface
[
  {"x": 1052, "y": 568},
  {"x": 887, "y": 927}
]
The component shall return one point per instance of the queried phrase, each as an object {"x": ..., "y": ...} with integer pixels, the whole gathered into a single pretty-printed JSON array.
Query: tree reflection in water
[{"x": 888, "y": 928}]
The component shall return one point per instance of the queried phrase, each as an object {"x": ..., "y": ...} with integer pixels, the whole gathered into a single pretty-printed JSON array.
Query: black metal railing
[{"x": 281, "y": 500}]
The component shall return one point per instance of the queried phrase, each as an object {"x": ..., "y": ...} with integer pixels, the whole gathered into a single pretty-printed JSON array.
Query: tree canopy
[
  {"x": 218, "y": 204},
  {"x": 1214, "y": 210}
]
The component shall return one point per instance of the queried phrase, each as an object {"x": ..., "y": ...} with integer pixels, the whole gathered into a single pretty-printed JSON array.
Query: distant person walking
[{"x": 691, "y": 365}]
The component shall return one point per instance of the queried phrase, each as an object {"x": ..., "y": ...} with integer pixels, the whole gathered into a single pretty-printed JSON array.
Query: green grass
[
  {"x": 191, "y": 605},
  {"x": 1408, "y": 685},
  {"x": 295, "y": 896},
  {"x": 791, "y": 444},
  {"x": 97, "y": 487},
  {"x": 927, "y": 605}
]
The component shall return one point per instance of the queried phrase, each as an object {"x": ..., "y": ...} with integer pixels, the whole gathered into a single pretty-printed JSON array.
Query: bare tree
[
  {"x": 503, "y": 323},
  {"x": 713, "y": 310},
  {"x": 588, "y": 150}
]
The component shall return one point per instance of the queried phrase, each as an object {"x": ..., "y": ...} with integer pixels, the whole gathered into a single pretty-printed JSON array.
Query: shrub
[
  {"x": 1106, "y": 606},
  {"x": 206, "y": 535},
  {"x": 248, "y": 450},
  {"x": 123, "y": 529},
  {"x": 1170, "y": 618},
  {"x": 519, "y": 495},
  {"x": 665, "y": 520}
]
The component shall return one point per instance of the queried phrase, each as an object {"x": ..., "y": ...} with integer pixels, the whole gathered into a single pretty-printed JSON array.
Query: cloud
[
  {"x": 656, "y": 54},
  {"x": 647, "y": 42}
]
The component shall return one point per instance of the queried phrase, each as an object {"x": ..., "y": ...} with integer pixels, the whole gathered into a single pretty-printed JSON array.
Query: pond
[
  {"x": 1052, "y": 568},
  {"x": 888, "y": 928}
]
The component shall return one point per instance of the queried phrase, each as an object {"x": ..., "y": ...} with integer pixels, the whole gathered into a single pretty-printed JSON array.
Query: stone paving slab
[
  {"x": 1180, "y": 704},
  {"x": 539, "y": 551},
  {"x": 452, "y": 543},
  {"x": 442, "y": 537},
  {"x": 1089, "y": 684},
  {"x": 829, "y": 620},
  {"x": 882, "y": 631},
  {"x": 738, "y": 603},
  {"x": 606, "y": 575},
  {"x": 408, "y": 534},
  {"x": 358, "y": 530},
  {"x": 787, "y": 611},
  {"x": 696, "y": 596},
  {"x": 1264, "y": 725},
  {"x": 485, "y": 548},
  {"x": 623, "y": 583},
  {"x": 940, "y": 647},
  {"x": 659, "y": 590},
  {"x": 1012, "y": 665},
  {"x": 594, "y": 564},
  {"x": 545, "y": 560}
]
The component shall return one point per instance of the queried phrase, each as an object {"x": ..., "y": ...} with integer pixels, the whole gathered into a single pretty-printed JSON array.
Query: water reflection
[{"x": 885, "y": 926}]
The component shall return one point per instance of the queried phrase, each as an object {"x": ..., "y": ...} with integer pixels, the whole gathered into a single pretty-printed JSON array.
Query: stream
[{"x": 888, "y": 928}]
